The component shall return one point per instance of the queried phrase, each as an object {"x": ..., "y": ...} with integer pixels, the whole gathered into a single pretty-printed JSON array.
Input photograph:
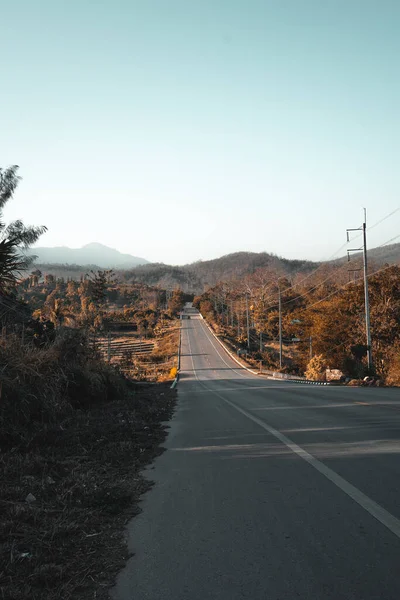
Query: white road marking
[
  {"x": 373, "y": 508},
  {"x": 253, "y": 387},
  {"x": 208, "y": 336}
]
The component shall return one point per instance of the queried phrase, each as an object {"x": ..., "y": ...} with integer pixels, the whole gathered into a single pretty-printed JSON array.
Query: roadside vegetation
[
  {"x": 323, "y": 323},
  {"x": 86, "y": 363},
  {"x": 75, "y": 428}
]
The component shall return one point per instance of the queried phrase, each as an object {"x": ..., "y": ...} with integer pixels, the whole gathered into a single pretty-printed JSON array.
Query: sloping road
[{"x": 269, "y": 490}]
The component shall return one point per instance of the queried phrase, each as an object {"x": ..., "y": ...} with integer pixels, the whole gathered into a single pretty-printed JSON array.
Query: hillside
[
  {"x": 197, "y": 276},
  {"x": 240, "y": 264},
  {"x": 386, "y": 254},
  {"x": 193, "y": 277},
  {"x": 165, "y": 276},
  {"x": 90, "y": 254}
]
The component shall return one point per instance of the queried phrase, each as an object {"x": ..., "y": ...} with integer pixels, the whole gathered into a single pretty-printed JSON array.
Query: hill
[
  {"x": 90, "y": 254},
  {"x": 195, "y": 277},
  {"x": 385, "y": 254},
  {"x": 240, "y": 264}
]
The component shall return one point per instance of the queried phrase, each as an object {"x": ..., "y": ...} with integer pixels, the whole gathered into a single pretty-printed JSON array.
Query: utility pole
[
  {"x": 261, "y": 345},
  {"x": 247, "y": 322},
  {"x": 280, "y": 326},
  {"x": 310, "y": 347},
  {"x": 108, "y": 347},
  {"x": 366, "y": 292}
]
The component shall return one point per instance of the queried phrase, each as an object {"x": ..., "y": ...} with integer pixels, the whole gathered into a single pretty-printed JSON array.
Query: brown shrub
[
  {"x": 316, "y": 368},
  {"x": 393, "y": 376},
  {"x": 41, "y": 386}
]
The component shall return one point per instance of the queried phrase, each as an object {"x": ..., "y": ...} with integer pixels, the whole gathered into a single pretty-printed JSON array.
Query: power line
[
  {"x": 389, "y": 241},
  {"x": 334, "y": 272},
  {"x": 272, "y": 300},
  {"x": 344, "y": 246},
  {"x": 376, "y": 224},
  {"x": 311, "y": 289},
  {"x": 346, "y": 284},
  {"x": 384, "y": 218},
  {"x": 318, "y": 268}
]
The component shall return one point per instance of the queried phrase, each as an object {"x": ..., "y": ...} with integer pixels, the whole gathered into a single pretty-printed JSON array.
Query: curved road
[{"x": 268, "y": 490}]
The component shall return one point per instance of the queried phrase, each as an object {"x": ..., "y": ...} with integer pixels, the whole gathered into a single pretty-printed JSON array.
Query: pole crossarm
[{"x": 353, "y": 250}]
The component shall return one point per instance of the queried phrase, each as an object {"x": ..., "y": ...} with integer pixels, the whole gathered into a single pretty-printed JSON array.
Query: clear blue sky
[{"x": 180, "y": 130}]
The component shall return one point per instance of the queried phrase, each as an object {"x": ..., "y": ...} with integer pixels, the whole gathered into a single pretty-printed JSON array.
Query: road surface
[{"x": 268, "y": 490}]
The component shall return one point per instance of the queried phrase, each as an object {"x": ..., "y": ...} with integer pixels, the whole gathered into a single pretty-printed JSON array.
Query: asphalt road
[{"x": 268, "y": 490}]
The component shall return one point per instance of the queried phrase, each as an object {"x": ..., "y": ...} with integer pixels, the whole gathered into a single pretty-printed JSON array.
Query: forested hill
[
  {"x": 386, "y": 254},
  {"x": 239, "y": 264},
  {"x": 194, "y": 277}
]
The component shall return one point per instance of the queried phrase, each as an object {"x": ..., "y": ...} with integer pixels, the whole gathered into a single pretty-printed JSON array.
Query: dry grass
[
  {"x": 84, "y": 474},
  {"x": 41, "y": 386},
  {"x": 167, "y": 344},
  {"x": 393, "y": 377},
  {"x": 74, "y": 434},
  {"x": 157, "y": 366}
]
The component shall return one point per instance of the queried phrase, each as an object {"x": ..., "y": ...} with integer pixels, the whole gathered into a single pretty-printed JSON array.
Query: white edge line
[
  {"x": 270, "y": 377},
  {"x": 175, "y": 382},
  {"x": 373, "y": 508},
  {"x": 233, "y": 357}
]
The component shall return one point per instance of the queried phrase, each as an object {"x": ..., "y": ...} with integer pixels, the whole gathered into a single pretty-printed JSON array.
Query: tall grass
[{"x": 41, "y": 386}]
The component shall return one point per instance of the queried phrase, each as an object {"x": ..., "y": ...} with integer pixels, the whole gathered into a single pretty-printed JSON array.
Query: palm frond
[
  {"x": 22, "y": 235},
  {"x": 9, "y": 181},
  {"x": 16, "y": 237}
]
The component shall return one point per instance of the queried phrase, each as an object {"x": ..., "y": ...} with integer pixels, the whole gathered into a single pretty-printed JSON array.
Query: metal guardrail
[
  {"x": 278, "y": 375},
  {"x": 293, "y": 378}
]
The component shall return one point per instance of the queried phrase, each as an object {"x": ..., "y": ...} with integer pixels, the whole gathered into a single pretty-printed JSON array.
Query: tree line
[{"x": 320, "y": 315}]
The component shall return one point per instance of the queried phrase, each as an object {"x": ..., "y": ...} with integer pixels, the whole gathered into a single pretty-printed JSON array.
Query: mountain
[{"x": 91, "y": 254}]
